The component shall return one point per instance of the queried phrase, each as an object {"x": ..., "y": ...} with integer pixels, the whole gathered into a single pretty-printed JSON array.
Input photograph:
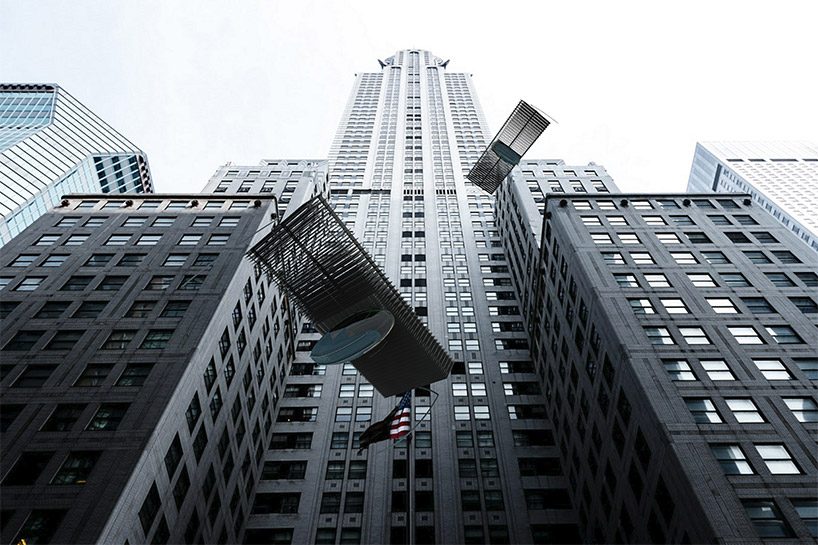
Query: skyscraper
[
  {"x": 675, "y": 339},
  {"x": 782, "y": 177},
  {"x": 51, "y": 145},
  {"x": 482, "y": 465}
]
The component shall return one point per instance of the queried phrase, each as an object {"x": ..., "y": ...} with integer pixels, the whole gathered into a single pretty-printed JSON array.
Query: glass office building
[{"x": 52, "y": 145}]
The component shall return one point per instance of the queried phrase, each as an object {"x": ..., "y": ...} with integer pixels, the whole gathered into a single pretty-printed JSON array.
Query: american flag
[{"x": 402, "y": 421}]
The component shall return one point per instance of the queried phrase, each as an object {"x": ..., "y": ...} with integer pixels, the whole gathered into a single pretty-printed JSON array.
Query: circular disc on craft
[{"x": 353, "y": 337}]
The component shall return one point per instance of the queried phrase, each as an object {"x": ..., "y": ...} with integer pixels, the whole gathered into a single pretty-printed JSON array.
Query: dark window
[
  {"x": 135, "y": 374},
  {"x": 34, "y": 376},
  {"x": 181, "y": 487},
  {"x": 140, "y": 309},
  {"x": 293, "y": 441},
  {"x": 193, "y": 412},
  {"x": 52, "y": 309},
  {"x": 150, "y": 507},
  {"x": 157, "y": 339},
  {"x": 40, "y": 526},
  {"x": 119, "y": 339},
  {"x": 77, "y": 283},
  {"x": 108, "y": 417},
  {"x": 738, "y": 237},
  {"x": 284, "y": 470},
  {"x": 808, "y": 278},
  {"x": 758, "y": 305},
  {"x": 767, "y": 519},
  {"x": 25, "y": 339},
  {"x": 27, "y": 469},
  {"x": 551, "y": 498},
  {"x": 355, "y": 503},
  {"x": 90, "y": 309},
  {"x": 131, "y": 260},
  {"x": 330, "y": 502},
  {"x": 64, "y": 340},
  {"x": 94, "y": 374},
  {"x": 76, "y": 468},
  {"x": 805, "y": 304},
  {"x": 175, "y": 309},
  {"x": 64, "y": 417},
  {"x": 173, "y": 456},
  {"x": 112, "y": 283}
]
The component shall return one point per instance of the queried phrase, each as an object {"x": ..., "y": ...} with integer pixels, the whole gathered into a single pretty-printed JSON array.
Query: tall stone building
[
  {"x": 51, "y": 145},
  {"x": 142, "y": 361},
  {"x": 675, "y": 339},
  {"x": 781, "y": 177}
]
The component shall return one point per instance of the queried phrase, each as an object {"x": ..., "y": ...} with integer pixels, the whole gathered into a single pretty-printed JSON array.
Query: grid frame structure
[
  {"x": 319, "y": 263},
  {"x": 515, "y": 137}
]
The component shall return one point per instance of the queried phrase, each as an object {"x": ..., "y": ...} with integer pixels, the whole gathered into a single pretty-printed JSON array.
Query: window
[
  {"x": 722, "y": 305},
  {"x": 76, "y": 468},
  {"x": 765, "y": 238},
  {"x": 46, "y": 240},
  {"x": 591, "y": 221},
  {"x": 108, "y": 417},
  {"x": 684, "y": 258},
  {"x": 30, "y": 283},
  {"x": 131, "y": 260},
  {"x": 657, "y": 280},
  {"x": 668, "y": 238},
  {"x": 654, "y": 220},
  {"x": 613, "y": 258},
  {"x": 140, "y": 309},
  {"x": 780, "y": 280},
  {"x": 112, "y": 283},
  {"x": 703, "y": 411},
  {"x": 659, "y": 335},
  {"x": 808, "y": 366},
  {"x": 229, "y": 221},
  {"x": 766, "y": 518},
  {"x": 159, "y": 282},
  {"x": 40, "y": 526},
  {"x": 330, "y": 502},
  {"x": 217, "y": 240},
  {"x": 52, "y": 309},
  {"x": 783, "y": 334},
  {"x": 94, "y": 374},
  {"x": 156, "y": 339},
  {"x": 717, "y": 370},
  {"x": 175, "y": 260},
  {"x": 175, "y": 309},
  {"x": 805, "y": 305},
  {"x": 163, "y": 221},
  {"x": 778, "y": 459},
  {"x": 629, "y": 238},
  {"x": 744, "y": 410},
  {"x": 758, "y": 257},
  {"x": 715, "y": 257},
  {"x": 117, "y": 240},
  {"x": 135, "y": 374},
  {"x": 203, "y": 260},
  {"x": 745, "y": 335},
  {"x": 803, "y": 408},
  {"x": 642, "y": 258},
  {"x": 758, "y": 305},
  {"x": 192, "y": 282},
  {"x": 772, "y": 369},
  {"x": 701, "y": 280},
  {"x": 732, "y": 459},
  {"x": 99, "y": 260},
  {"x": 64, "y": 340},
  {"x": 601, "y": 238},
  {"x": 23, "y": 260},
  {"x": 23, "y": 340},
  {"x": 807, "y": 510},
  {"x": 641, "y": 306},
  {"x": 54, "y": 260},
  {"x": 808, "y": 278},
  {"x": 679, "y": 370},
  {"x": 189, "y": 240},
  {"x": 737, "y": 237},
  {"x": 626, "y": 280},
  {"x": 64, "y": 417},
  {"x": 734, "y": 280},
  {"x": 674, "y": 305}
]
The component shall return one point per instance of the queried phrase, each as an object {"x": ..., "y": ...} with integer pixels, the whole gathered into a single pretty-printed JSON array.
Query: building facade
[
  {"x": 52, "y": 145},
  {"x": 782, "y": 177},
  {"x": 142, "y": 364},
  {"x": 675, "y": 336},
  {"x": 482, "y": 466}
]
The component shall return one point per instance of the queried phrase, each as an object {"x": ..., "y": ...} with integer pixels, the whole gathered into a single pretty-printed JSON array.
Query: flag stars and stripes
[{"x": 402, "y": 421}]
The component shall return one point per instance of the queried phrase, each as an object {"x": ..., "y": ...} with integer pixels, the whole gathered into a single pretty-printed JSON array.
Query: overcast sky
[{"x": 633, "y": 86}]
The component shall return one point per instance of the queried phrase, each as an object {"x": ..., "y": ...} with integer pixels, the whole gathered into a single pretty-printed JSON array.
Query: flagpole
[{"x": 410, "y": 461}]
